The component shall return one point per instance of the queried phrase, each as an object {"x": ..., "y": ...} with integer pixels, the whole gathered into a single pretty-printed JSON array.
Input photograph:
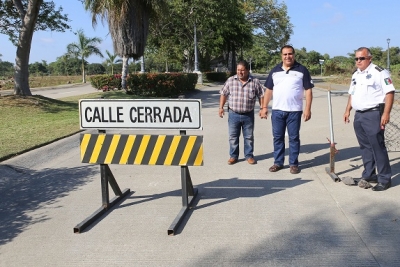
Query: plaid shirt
[{"x": 242, "y": 97}]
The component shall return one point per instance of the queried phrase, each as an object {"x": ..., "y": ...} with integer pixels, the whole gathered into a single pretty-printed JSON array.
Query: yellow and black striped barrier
[{"x": 174, "y": 150}]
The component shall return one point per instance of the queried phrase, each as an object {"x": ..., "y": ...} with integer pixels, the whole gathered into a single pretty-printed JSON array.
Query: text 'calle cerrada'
[{"x": 141, "y": 114}]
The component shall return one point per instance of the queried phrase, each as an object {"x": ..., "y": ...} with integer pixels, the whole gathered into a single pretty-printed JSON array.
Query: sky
[{"x": 334, "y": 27}]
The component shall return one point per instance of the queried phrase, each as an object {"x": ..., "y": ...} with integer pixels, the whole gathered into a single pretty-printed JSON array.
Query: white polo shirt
[
  {"x": 368, "y": 88},
  {"x": 288, "y": 86}
]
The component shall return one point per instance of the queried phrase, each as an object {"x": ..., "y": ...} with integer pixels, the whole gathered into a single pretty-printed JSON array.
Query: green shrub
[
  {"x": 106, "y": 82},
  {"x": 161, "y": 85},
  {"x": 216, "y": 76}
]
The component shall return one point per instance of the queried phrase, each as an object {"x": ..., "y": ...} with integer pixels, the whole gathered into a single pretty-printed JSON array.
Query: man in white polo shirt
[{"x": 287, "y": 83}]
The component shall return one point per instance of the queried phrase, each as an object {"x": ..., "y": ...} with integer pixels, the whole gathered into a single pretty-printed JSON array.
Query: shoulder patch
[{"x": 379, "y": 68}]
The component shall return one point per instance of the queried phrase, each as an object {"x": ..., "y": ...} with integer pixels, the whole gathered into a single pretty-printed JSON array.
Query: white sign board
[{"x": 182, "y": 114}]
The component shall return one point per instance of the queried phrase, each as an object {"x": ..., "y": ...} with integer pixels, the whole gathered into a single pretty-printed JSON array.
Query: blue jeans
[
  {"x": 237, "y": 123},
  {"x": 280, "y": 121}
]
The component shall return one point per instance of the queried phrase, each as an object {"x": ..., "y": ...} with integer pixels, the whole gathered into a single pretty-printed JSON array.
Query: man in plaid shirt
[{"x": 241, "y": 91}]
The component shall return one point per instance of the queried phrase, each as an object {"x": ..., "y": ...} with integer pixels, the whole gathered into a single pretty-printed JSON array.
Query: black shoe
[
  {"x": 381, "y": 187},
  {"x": 372, "y": 179}
]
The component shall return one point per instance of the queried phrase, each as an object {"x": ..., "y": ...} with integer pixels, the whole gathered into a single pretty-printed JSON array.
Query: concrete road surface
[{"x": 243, "y": 216}]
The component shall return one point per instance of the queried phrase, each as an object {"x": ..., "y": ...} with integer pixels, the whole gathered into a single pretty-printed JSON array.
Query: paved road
[
  {"x": 243, "y": 216},
  {"x": 61, "y": 91}
]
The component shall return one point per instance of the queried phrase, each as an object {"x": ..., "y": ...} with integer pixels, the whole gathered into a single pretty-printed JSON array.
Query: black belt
[
  {"x": 241, "y": 113},
  {"x": 367, "y": 110}
]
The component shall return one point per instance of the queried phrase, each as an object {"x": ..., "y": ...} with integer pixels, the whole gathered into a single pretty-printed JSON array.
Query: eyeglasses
[
  {"x": 360, "y": 58},
  {"x": 288, "y": 54}
]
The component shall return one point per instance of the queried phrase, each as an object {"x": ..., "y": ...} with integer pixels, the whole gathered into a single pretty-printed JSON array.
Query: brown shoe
[
  {"x": 251, "y": 161},
  {"x": 232, "y": 161},
  {"x": 294, "y": 169},
  {"x": 275, "y": 168}
]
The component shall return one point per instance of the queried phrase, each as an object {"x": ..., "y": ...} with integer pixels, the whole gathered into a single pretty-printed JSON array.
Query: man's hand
[
  {"x": 264, "y": 113},
  {"x": 306, "y": 115},
  {"x": 346, "y": 117},
  {"x": 221, "y": 112}
]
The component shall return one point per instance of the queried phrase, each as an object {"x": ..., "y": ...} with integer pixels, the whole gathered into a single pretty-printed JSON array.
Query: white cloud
[{"x": 47, "y": 40}]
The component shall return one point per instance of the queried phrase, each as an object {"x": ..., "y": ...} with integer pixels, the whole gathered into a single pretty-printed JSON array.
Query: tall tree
[
  {"x": 110, "y": 60},
  {"x": 84, "y": 48},
  {"x": 221, "y": 28},
  {"x": 128, "y": 22},
  {"x": 19, "y": 20},
  {"x": 269, "y": 18}
]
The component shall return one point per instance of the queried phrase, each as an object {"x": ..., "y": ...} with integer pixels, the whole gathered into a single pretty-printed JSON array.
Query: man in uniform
[{"x": 371, "y": 94}]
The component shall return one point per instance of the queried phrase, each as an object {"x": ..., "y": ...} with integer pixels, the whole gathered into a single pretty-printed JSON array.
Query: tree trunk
[
  {"x": 125, "y": 67},
  {"x": 28, "y": 22},
  {"x": 83, "y": 72}
]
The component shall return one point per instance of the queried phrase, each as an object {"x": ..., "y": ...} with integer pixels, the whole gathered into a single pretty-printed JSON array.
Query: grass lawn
[{"x": 31, "y": 122}]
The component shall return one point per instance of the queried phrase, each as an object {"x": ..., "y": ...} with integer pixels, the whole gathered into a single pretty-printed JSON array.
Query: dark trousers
[{"x": 371, "y": 139}]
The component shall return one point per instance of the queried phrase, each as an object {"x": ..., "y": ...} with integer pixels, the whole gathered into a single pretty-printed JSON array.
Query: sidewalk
[{"x": 243, "y": 215}]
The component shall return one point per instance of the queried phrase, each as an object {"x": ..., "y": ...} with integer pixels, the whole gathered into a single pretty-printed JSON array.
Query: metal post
[
  {"x": 331, "y": 169},
  {"x": 250, "y": 65},
  {"x": 196, "y": 63},
  {"x": 321, "y": 61},
  {"x": 388, "y": 59}
]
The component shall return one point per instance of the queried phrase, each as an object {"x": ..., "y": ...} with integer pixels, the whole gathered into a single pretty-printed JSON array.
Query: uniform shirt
[
  {"x": 368, "y": 88},
  {"x": 288, "y": 86},
  {"x": 242, "y": 97}
]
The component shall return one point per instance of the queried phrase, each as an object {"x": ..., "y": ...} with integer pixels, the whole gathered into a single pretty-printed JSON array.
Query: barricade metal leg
[
  {"x": 188, "y": 195},
  {"x": 106, "y": 178},
  {"x": 331, "y": 169}
]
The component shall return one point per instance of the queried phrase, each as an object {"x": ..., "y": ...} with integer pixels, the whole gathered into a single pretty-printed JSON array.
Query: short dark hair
[
  {"x": 244, "y": 63},
  {"x": 364, "y": 48},
  {"x": 287, "y": 46}
]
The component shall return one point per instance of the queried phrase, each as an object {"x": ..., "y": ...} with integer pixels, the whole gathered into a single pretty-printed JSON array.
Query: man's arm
[
  {"x": 267, "y": 98},
  {"x": 347, "y": 111},
  {"x": 222, "y": 100},
  {"x": 385, "y": 118},
  {"x": 307, "y": 110}
]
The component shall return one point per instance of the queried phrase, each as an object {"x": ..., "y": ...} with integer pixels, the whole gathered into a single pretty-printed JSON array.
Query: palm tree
[
  {"x": 111, "y": 60},
  {"x": 84, "y": 48},
  {"x": 128, "y": 23}
]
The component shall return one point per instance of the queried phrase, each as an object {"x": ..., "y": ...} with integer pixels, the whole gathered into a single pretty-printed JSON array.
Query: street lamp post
[
  {"x": 250, "y": 65},
  {"x": 196, "y": 62},
  {"x": 388, "y": 59},
  {"x": 321, "y": 62}
]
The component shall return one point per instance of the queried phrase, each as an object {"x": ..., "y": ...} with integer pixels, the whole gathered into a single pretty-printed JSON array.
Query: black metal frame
[
  {"x": 188, "y": 195},
  {"x": 106, "y": 178}
]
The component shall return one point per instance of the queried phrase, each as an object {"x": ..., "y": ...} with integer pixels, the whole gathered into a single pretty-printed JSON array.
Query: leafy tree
[
  {"x": 313, "y": 57},
  {"x": 84, "y": 48},
  {"x": 19, "y": 20},
  {"x": 96, "y": 68},
  {"x": 66, "y": 65},
  {"x": 39, "y": 68},
  {"x": 6, "y": 68},
  {"x": 270, "y": 19},
  {"x": 221, "y": 29}
]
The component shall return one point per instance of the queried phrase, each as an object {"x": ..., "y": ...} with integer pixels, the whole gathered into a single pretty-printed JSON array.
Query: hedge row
[
  {"x": 217, "y": 76},
  {"x": 148, "y": 84}
]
